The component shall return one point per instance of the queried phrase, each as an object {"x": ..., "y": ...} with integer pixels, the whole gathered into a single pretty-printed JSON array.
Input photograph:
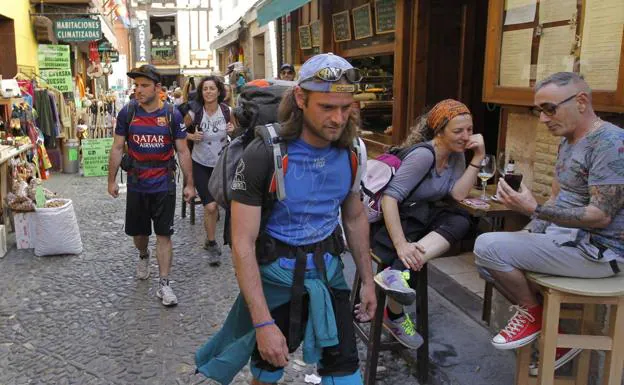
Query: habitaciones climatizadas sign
[{"x": 78, "y": 29}]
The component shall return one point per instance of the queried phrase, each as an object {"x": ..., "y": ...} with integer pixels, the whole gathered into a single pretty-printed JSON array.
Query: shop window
[
  {"x": 164, "y": 40},
  {"x": 375, "y": 95}
]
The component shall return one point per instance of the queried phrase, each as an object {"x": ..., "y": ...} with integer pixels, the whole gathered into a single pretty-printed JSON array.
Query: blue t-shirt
[
  {"x": 317, "y": 182},
  {"x": 149, "y": 139}
]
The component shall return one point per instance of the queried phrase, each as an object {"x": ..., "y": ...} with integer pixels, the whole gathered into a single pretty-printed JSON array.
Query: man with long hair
[{"x": 288, "y": 267}]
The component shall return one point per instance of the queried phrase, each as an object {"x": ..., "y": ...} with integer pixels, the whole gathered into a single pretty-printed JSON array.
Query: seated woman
[{"x": 417, "y": 225}]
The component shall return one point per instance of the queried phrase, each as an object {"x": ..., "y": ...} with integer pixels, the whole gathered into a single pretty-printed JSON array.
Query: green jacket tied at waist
[{"x": 225, "y": 354}]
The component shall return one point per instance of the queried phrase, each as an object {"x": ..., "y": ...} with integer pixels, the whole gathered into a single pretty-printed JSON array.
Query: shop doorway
[
  {"x": 8, "y": 62},
  {"x": 258, "y": 57},
  {"x": 455, "y": 46}
]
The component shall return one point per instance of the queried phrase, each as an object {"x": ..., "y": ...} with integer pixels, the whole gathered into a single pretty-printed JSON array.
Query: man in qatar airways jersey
[{"x": 151, "y": 139}]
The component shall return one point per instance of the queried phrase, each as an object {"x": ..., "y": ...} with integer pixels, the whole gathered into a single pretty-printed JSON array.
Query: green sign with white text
[
  {"x": 78, "y": 29},
  {"x": 53, "y": 56},
  {"x": 59, "y": 79},
  {"x": 95, "y": 154}
]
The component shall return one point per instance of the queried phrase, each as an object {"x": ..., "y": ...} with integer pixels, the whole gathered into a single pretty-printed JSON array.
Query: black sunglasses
[
  {"x": 331, "y": 74},
  {"x": 550, "y": 109},
  {"x": 287, "y": 72}
]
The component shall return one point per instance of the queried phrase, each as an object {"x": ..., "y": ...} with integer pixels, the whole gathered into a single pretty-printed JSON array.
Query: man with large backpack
[
  {"x": 152, "y": 130},
  {"x": 286, "y": 245}
]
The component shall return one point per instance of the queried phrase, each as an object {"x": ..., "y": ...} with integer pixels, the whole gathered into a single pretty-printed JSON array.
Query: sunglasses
[
  {"x": 550, "y": 109},
  {"x": 330, "y": 74},
  {"x": 287, "y": 72}
]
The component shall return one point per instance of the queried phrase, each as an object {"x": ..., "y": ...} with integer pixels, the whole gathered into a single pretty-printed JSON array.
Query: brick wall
[{"x": 533, "y": 148}]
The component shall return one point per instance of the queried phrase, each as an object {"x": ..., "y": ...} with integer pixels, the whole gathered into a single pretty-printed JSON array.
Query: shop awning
[
  {"x": 272, "y": 9},
  {"x": 229, "y": 36},
  {"x": 108, "y": 33}
]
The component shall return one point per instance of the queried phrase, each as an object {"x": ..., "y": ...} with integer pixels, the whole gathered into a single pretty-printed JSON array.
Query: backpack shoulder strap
[
  {"x": 356, "y": 163},
  {"x": 225, "y": 109},
  {"x": 278, "y": 149},
  {"x": 410, "y": 149},
  {"x": 170, "y": 111},
  {"x": 130, "y": 116}
]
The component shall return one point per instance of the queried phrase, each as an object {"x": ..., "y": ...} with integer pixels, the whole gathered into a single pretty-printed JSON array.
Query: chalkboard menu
[
  {"x": 342, "y": 26},
  {"x": 315, "y": 30},
  {"x": 305, "y": 38},
  {"x": 362, "y": 23},
  {"x": 385, "y": 15}
]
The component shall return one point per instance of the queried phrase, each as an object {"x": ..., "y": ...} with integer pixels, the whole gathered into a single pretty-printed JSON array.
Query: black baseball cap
[
  {"x": 289, "y": 66},
  {"x": 146, "y": 71}
]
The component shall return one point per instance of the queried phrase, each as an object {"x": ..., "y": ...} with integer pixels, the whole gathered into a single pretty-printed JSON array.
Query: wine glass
[
  {"x": 488, "y": 166},
  {"x": 501, "y": 163}
]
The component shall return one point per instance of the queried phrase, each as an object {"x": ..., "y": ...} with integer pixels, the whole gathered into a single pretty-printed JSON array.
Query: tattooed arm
[{"x": 605, "y": 202}]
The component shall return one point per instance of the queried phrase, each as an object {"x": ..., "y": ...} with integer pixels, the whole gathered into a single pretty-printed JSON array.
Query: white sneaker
[
  {"x": 143, "y": 268},
  {"x": 166, "y": 294}
]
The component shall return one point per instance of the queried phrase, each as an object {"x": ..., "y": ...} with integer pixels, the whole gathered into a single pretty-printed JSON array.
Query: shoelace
[
  {"x": 518, "y": 320},
  {"x": 408, "y": 326},
  {"x": 405, "y": 276}
]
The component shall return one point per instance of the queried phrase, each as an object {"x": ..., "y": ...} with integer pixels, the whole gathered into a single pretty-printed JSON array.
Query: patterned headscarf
[{"x": 444, "y": 112}]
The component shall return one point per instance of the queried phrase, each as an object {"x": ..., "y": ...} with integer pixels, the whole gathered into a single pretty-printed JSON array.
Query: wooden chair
[
  {"x": 588, "y": 293},
  {"x": 372, "y": 339}
]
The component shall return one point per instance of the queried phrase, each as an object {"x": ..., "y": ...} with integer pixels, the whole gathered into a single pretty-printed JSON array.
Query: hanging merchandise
[
  {"x": 94, "y": 54},
  {"x": 94, "y": 70}
]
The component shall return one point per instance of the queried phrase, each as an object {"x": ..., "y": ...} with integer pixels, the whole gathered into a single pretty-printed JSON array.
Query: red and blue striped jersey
[{"x": 149, "y": 140}]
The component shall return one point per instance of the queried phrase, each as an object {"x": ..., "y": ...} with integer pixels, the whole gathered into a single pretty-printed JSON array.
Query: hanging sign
[
  {"x": 142, "y": 42},
  {"x": 53, "y": 56},
  {"x": 61, "y": 79},
  {"x": 95, "y": 153},
  {"x": 78, "y": 29}
]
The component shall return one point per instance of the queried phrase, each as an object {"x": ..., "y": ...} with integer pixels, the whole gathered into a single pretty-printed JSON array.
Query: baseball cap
[
  {"x": 287, "y": 66},
  {"x": 323, "y": 72},
  {"x": 146, "y": 71}
]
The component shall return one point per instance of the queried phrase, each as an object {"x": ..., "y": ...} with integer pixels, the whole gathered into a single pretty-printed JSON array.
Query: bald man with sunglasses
[{"x": 578, "y": 231}]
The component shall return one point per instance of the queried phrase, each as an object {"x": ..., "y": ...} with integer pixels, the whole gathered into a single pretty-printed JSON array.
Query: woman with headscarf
[{"x": 417, "y": 225}]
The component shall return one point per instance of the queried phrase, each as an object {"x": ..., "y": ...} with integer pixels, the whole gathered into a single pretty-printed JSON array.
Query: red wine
[{"x": 512, "y": 177}]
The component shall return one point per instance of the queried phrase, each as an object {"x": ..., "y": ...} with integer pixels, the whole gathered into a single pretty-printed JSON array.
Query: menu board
[
  {"x": 385, "y": 16},
  {"x": 342, "y": 26},
  {"x": 362, "y": 23},
  {"x": 315, "y": 30},
  {"x": 305, "y": 38}
]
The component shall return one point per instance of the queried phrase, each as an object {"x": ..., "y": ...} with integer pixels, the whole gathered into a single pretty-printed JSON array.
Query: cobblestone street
[{"x": 86, "y": 319}]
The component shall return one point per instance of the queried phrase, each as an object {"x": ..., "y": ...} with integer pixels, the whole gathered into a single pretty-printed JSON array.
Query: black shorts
[
  {"x": 339, "y": 360},
  {"x": 452, "y": 224},
  {"x": 201, "y": 176},
  {"x": 143, "y": 208}
]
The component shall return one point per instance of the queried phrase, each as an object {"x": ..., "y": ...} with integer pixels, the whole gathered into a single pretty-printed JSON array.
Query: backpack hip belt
[{"x": 269, "y": 250}]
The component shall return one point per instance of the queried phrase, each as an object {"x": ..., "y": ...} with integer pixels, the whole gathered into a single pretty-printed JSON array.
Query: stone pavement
[{"x": 86, "y": 320}]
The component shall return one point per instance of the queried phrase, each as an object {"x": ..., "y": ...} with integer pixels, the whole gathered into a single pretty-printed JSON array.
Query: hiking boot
[
  {"x": 166, "y": 294},
  {"x": 394, "y": 283},
  {"x": 143, "y": 267},
  {"x": 214, "y": 253},
  {"x": 562, "y": 357},
  {"x": 403, "y": 330},
  {"x": 522, "y": 329}
]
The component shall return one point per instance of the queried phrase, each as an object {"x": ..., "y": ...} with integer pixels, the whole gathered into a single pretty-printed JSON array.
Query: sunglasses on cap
[
  {"x": 330, "y": 74},
  {"x": 550, "y": 109}
]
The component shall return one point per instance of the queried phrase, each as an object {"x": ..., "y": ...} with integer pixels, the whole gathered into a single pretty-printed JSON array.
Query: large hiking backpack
[
  {"x": 379, "y": 173},
  {"x": 266, "y": 98}
]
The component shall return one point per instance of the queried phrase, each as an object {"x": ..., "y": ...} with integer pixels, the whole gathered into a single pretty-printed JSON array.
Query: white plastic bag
[{"x": 57, "y": 230}]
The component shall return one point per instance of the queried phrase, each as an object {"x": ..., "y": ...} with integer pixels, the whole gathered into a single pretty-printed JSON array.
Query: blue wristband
[{"x": 263, "y": 324}]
